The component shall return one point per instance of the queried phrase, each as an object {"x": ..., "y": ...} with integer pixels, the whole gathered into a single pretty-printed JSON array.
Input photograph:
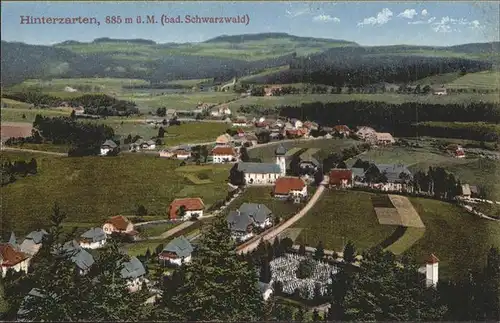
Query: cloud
[
  {"x": 326, "y": 18},
  {"x": 408, "y": 13},
  {"x": 422, "y": 22},
  {"x": 447, "y": 24},
  {"x": 382, "y": 18},
  {"x": 424, "y": 12},
  {"x": 297, "y": 12}
]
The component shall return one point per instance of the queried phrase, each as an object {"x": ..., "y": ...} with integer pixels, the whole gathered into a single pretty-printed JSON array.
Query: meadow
[
  {"x": 28, "y": 115},
  {"x": 325, "y": 146},
  {"x": 458, "y": 239},
  {"x": 92, "y": 189},
  {"x": 481, "y": 80}
]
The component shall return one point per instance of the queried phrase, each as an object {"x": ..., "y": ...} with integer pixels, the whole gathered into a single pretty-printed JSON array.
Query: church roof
[{"x": 280, "y": 150}]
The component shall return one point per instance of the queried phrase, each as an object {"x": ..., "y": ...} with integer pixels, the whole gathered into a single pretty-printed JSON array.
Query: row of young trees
[{"x": 9, "y": 170}]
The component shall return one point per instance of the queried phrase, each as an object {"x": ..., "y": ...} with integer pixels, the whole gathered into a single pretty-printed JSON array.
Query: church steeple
[{"x": 281, "y": 159}]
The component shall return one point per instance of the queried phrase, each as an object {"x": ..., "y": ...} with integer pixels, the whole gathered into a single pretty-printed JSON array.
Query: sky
[{"x": 367, "y": 23}]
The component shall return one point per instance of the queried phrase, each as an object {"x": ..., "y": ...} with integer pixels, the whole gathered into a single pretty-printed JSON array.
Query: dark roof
[
  {"x": 109, "y": 143},
  {"x": 259, "y": 168},
  {"x": 280, "y": 150},
  {"x": 12, "y": 239},
  {"x": 359, "y": 172},
  {"x": 36, "y": 236},
  {"x": 133, "y": 269},
  {"x": 180, "y": 246},
  {"x": 309, "y": 159},
  {"x": 81, "y": 257},
  {"x": 239, "y": 222},
  {"x": 94, "y": 234},
  {"x": 258, "y": 212},
  {"x": 392, "y": 171},
  {"x": 263, "y": 287}
]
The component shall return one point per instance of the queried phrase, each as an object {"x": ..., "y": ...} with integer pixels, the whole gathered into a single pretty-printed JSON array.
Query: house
[
  {"x": 341, "y": 178},
  {"x": 294, "y": 187},
  {"x": 296, "y": 123},
  {"x": 342, "y": 130},
  {"x": 311, "y": 125},
  {"x": 119, "y": 224},
  {"x": 167, "y": 153},
  {"x": 142, "y": 144},
  {"x": 185, "y": 208},
  {"x": 241, "y": 226},
  {"x": 240, "y": 122},
  {"x": 358, "y": 174},
  {"x": 271, "y": 90},
  {"x": 93, "y": 238},
  {"x": 134, "y": 272},
  {"x": 384, "y": 138},
  {"x": 258, "y": 215},
  {"x": 440, "y": 91},
  {"x": 459, "y": 152},
  {"x": 397, "y": 175},
  {"x": 82, "y": 259},
  {"x": 219, "y": 111},
  {"x": 221, "y": 154},
  {"x": 432, "y": 271},
  {"x": 264, "y": 173},
  {"x": 249, "y": 138},
  {"x": 12, "y": 258},
  {"x": 177, "y": 251},
  {"x": 474, "y": 191},
  {"x": 79, "y": 111},
  {"x": 171, "y": 113},
  {"x": 308, "y": 162},
  {"x": 466, "y": 191},
  {"x": 182, "y": 153},
  {"x": 224, "y": 140},
  {"x": 33, "y": 242},
  {"x": 265, "y": 290},
  {"x": 366, "y": 133},
  {"x": 108, "y": 146},
  {"x": 24, "y": 309}
]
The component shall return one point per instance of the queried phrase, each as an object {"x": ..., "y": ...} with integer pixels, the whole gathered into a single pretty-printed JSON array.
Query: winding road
[{"x": 273, "y": 232}]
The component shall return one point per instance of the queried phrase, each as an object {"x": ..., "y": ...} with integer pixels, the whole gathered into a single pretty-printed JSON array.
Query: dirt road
[{"x": 270, "y": 235}]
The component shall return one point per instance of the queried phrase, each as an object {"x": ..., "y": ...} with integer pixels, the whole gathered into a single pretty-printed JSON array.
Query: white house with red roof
[
  {"x": 12, "y": 258},
  {"x": 119, "y": 224},
  {"x": 185, "y": 208},
  {"x": 293, "y": 187},
  {"x": 221, "y": 154}
]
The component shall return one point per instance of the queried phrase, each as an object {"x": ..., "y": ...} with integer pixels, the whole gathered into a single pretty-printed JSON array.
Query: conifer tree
[
  {"x": 349, "y": 252},
  {"x": 319, "y": 253},
  {"x": 300, "y": 315},
  {"x": 217, "y": 285}
]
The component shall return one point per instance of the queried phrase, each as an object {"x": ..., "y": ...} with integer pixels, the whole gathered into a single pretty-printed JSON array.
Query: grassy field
[
  {"x": 156, "y": 229},
  {"x": 106, "y": 85},
  {"x": 9, "y": 103},
  {"x": 190, "y": 83},
  {"x": 91, "y": 189},
  {"x": 479, "y": 80},
  {"x": 298, "y": 99},
  {"x": 16, "y": 114},
  {"x": 458, "y": 239},
  {"x": 266, "y": 72},
  {"x": 185, "y": 101},
  {"x": 266, "y": 153},
  {"x": 437, "y": 80},
  {"x": 475, "y": 171},
  {"x": 262, "y": 195},
  {"x": 340, "y": 216}
]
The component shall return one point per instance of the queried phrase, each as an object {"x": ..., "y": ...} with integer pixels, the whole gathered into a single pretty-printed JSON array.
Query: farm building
[
  {"x": 341, "y": 178},
  {"x": 107, "y": 147},
  {"x": 293, "y": 187},
  {"x": 134, "y": 272},
  {"x": 12, "y": 258},
  {"x": 93, "y": 238},
  {"x": 119, "y": 224},
  {"x": 177, "y": 251},
  {"x": 249, "y": 216},
  {"x": 384, "y": 138},
  {"x": 221, "y": 154},
  {"x": 33, "y": 242},
  {"x": 185, "y": 208}
]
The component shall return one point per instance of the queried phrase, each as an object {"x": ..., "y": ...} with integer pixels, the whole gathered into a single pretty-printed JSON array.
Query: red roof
[
  {"x": 10, "y": 256},
  {"x": 240, "y": 130},
  {"x": 339, "y": 175},
  {"x": 432, "y": 259},
  {"x": 190, "y": 204},
  {"x": 342, "y": 128},
  {"x": 182, "y": 152},
  {"x": 119, "y": 222},
  {"x": 284, "y": 185},
  {"x": 459, "y": 152},
  {"x": 223, "y": 151}
]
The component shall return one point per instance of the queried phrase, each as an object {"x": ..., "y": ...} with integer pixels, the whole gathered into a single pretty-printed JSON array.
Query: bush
[{"x": 305, "y": 268}]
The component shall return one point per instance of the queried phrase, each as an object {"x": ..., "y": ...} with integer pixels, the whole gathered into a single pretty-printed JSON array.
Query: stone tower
[
  {"x": 281, "y": 159},
  {"x": 431, "y": 271}
]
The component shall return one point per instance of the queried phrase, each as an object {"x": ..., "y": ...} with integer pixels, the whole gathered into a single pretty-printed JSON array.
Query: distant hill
[
  {"x": 222, "y": 57},
  {"x": 273, "y": 36}
]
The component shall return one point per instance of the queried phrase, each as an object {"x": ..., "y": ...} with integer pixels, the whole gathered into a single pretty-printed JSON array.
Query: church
[{"x": 264, "y": 173}]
